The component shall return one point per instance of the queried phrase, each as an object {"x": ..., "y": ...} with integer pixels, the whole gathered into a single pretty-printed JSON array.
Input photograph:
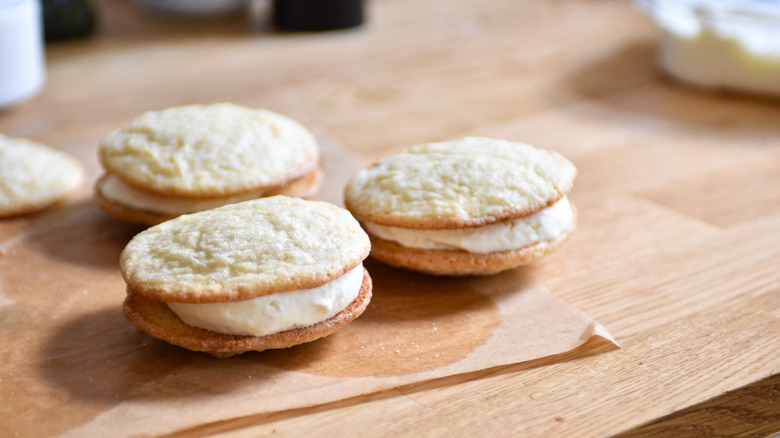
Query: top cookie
[
  {"x": 208, "y": 150},
  {"x": 245, "y": 250},
  {"x": 34, "y": 176},
  {"x": 469, "y": 182}
]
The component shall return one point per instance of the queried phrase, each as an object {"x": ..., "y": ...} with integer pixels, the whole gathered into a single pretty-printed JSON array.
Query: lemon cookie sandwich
[
  {"x": 468, "y": 206},
  {"x": 34, "y": 176},
  {"x": 191, "y": 158},
  {"x": 261, "y": 274}
]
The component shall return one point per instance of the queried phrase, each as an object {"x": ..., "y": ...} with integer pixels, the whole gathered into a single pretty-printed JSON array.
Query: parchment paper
[{"x": 73, "y": 366}]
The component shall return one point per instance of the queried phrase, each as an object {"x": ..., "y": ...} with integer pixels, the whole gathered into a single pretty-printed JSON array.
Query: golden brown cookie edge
[{"x": 454, "y": 224}]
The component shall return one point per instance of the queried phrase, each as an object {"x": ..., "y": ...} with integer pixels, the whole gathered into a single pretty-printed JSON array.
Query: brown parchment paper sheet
[{"x": 73, "y": 366}]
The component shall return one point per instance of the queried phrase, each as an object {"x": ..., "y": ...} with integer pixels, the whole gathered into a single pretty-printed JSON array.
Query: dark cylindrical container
[{"x": 318, "y": 15}]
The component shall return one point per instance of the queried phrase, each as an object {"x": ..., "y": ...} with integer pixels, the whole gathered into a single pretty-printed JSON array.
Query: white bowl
[{"x": 720, "y": 43}]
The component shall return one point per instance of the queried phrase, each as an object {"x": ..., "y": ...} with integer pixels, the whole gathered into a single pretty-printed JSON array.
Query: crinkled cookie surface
[
  {"x": 467, "y": 182},
  {"x": 244, "y": 250},
  {"x": 208, "y": 150},
  {"x": 34, "y": 176}
]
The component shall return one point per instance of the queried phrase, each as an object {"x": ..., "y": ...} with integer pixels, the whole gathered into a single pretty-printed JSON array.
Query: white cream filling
[
  {"x": 274, "y": 313},
  {"x": 114, "y": 189},
  {"x": 544, "y": 225}
]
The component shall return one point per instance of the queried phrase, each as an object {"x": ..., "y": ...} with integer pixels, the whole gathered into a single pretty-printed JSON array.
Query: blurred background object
[
  {"x": 718, "y": 44},
  {"x": 292, "y": 15},
  {"x": 64, "y": 19},
  {"x": 193, "y": 7},
  {"x": 22, "y": 62},
  {"x": 318, "y": 15}
]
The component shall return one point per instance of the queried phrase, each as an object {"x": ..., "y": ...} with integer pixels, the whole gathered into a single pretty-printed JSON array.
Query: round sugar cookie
[
  {"x": 244, "y": 250},
  {"x": 469, "y": 182},
  {"x": 203, "y": 151},
  {"x": 472, "y": 206},
  {"x": 257, "y": 248},
  {"x": 34, "y": 176}
]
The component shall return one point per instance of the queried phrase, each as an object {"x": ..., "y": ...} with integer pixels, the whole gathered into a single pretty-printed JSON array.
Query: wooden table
[{"x": 678, "y": 249}]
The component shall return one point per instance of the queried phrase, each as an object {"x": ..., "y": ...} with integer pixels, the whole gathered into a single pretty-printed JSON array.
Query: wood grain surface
[{"x": 678, "y": 247}]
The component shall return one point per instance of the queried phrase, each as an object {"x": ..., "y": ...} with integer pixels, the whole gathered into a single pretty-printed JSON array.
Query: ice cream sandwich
[
  {"x": 34, "y": 176},
  {"x": 262, "y": 274},
  {"x": 471, "y": 206},
  {"x": 192, "y": 158}
]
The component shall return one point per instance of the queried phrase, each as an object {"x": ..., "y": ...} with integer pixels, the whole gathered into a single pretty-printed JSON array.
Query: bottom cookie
[
  {"x": 459, "y": 262},
  {"x": 158, "y": 320}
]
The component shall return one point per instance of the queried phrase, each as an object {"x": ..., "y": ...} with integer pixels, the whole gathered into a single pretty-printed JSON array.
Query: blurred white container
[
  {"x": 720, "y": 43},
  {"x": 22, "y": 61}
]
